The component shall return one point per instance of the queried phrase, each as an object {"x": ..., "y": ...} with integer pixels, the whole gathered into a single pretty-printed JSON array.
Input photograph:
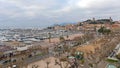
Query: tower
[
  {"x": 93, "y": 19},
  {"x": 110, "y": 20}
]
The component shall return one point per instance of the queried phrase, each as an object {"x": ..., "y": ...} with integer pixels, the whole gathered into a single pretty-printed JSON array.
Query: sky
[{"x": 43, "y": 13}]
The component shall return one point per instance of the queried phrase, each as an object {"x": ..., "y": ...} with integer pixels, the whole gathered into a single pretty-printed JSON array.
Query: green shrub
[{"x": 111, "y": 60}]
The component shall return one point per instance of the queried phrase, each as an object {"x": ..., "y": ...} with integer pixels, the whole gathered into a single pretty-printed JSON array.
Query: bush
[
  {"x": 103, "y": 30},
  {"x": 112, "y": 61},
  {"x": 82, "y": 61},
  {"x": 90, "y": 64}
]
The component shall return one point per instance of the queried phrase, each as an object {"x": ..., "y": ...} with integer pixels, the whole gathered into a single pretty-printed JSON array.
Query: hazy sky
[{"x": 41, "y": 13}]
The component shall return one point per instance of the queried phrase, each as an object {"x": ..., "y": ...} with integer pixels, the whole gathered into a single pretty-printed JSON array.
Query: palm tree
[{"x": 47, "y": 64}]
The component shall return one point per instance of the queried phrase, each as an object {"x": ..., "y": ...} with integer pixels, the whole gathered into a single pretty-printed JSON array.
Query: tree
[
  {"x": 103, "y": 30},
  {"x": 107, "y": 31},
  {"x": 35, "y": 66},
  {"x": 62, "y": 39},
  {"x": 67, "y": 36}
]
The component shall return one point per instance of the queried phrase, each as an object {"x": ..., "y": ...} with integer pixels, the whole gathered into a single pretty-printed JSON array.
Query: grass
[
  {"x": 82, "y": 61},
  {"x": 111, "y": 60},
  {"x": 40, "y": 54}
]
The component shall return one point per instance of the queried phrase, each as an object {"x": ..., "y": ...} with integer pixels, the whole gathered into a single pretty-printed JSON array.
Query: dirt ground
[
  {"x": 90, "y": 48},
  {"x": 43, "y": 63},
  {"x": 71, "y": 37}
]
